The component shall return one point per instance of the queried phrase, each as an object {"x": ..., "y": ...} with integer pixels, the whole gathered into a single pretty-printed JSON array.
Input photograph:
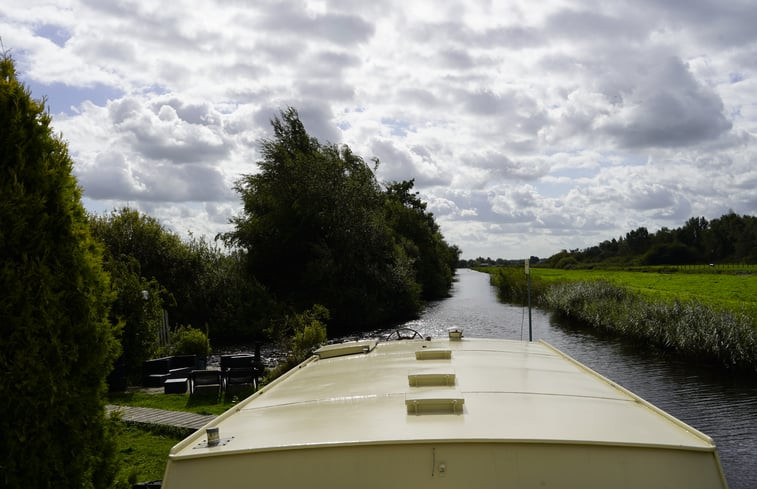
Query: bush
[
  {"x": 309, "y": 331},
  {"x": 304, "y": 332},
  {"x": 187, "y": 340}
]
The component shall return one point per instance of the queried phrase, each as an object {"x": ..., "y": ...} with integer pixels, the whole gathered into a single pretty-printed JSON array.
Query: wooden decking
[{"x": 161, "y": 417}]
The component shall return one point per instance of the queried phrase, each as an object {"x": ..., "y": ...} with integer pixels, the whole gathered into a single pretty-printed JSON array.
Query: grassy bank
[
  {"x": 706, "y": 316},
  {"x": 144, "y": 450},
  {"x": 688, "y": 328},
  {"x": 735, "y": 291},
  {"x": 143, "y": 453}
]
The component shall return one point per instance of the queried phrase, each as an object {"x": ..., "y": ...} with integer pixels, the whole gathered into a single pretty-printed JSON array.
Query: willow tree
[{"x": 56, "y": 345}]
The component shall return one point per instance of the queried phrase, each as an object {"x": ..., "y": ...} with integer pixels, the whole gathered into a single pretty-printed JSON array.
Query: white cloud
[{"x": 528, "y": 128}]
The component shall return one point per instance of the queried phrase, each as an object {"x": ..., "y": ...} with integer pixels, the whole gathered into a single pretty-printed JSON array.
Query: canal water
[{"x": 714, "y": 402}]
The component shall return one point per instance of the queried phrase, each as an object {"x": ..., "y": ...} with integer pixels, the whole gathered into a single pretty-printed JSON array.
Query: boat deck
[{"x": 514, "y": 401}]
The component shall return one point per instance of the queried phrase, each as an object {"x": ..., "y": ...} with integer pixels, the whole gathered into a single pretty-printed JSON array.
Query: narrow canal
[{"x": 713, "y": 402}]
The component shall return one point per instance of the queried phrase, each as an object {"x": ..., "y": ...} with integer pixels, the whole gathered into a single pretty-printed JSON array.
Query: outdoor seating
[
  {"x": 241, "y": 369},
  {"x": 157, "y": 370},
  {"x": 205, "y": 380},
  {"x": 177, "y": 373},
  {"x": 239, "y": 377},
  {"x": 175, "y": 386}
]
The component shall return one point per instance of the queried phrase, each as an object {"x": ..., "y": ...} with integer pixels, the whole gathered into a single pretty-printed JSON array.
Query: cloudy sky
[{"x": 529, "y": 127}]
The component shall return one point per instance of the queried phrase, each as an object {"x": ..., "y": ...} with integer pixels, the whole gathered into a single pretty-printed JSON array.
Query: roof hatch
[
  {"x": 347, "y": 348},
  {"x": 433, "y": 354},
  {"x": 428, "y": 378},
  {"x": 447, "y": 401}
]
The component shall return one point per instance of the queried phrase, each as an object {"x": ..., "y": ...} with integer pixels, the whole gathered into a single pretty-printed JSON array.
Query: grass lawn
[
  {"x": 736, "y": 292},
  {"x": 144, "y": 453},
  {"x": 177, "y": 402}
]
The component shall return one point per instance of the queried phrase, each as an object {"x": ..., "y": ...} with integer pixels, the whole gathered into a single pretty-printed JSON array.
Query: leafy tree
[
  {"x": 132, "y": 237},
  {"x": 195, "y": 281},
  {"x": 138, "y": 309},
  {"x": 56, "y": 345},
  {"x": 638, "y": 241},
  {"x": 693, "y": 234},
  {"x": 670, "y": 254},
  {"x": 416, "y": 231},
  {"x": 314, "y": 232}
]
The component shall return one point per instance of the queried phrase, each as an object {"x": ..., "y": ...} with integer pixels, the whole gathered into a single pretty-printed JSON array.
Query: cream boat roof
[{"x": 513, "y": 392}]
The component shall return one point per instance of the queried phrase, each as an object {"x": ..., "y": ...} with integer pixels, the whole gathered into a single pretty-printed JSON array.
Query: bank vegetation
[{"x": 704, "y": 332}]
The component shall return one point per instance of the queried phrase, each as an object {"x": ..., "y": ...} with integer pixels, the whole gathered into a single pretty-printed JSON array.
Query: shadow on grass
[
  {"x": 202, "y": 401},
  {"x": 213, "y": 400}
]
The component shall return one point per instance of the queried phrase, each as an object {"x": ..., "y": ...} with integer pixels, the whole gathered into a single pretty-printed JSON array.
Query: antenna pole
[{"x": 528, "y": 277}]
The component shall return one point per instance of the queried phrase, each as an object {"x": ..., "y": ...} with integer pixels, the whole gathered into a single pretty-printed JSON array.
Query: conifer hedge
[{"x": 56, "y": 345}]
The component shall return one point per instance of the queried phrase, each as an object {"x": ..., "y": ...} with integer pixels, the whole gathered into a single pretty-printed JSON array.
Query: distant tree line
[
  {"x": 498, "y": 262},
  {"x": 731, "y": 238}
]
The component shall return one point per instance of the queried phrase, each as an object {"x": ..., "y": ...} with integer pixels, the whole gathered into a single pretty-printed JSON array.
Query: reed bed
[
  {"x": 511, "y": 285},
  {"x": 687, "y": 327}
]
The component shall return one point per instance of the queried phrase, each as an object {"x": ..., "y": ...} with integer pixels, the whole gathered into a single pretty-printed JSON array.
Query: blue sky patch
[
  {"x": 55, "y": 33},
  {"x": 62, "y": 97}
]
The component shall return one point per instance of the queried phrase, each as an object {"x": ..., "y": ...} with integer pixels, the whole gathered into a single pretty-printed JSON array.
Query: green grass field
[
  {"x": 733, "y": 291},
  {"x": 144, "y": 453}
]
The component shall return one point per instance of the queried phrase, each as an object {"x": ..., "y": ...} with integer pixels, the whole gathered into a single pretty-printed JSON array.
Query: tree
[
  {"x": 195, "y": 281},
  {"x": 416, "y": 231},
  {"x": 314, "y": 232},
  {"x": 638, "y": 241},
  {"x": 56, "y": 345},
  {"x": 131, "y": 237},
  {"x": 138, "y": 309},
  {"x": 693, "y": 234}
]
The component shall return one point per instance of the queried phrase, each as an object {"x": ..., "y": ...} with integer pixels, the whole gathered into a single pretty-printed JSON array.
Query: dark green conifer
[{"x": 56, "y": 345}]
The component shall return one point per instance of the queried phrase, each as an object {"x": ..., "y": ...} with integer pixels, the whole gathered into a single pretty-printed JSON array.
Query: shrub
[
  {"x": 304, "y": 332},
  {"x": 187, "y": 340},
  {"x": 309, "y": 331},
  {"x": 56, "y": 344}
]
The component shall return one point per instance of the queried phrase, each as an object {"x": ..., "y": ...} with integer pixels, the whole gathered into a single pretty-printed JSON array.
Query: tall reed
[
  {"x": 685, "y": 327},
  {"x": 511, "y": 284}
]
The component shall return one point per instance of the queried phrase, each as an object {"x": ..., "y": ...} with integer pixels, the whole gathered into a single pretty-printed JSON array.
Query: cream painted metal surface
[{"x": 515, "y": 415}]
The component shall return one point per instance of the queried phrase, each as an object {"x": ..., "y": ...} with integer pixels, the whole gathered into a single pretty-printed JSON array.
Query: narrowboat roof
[{"x": 441, "y": 391}]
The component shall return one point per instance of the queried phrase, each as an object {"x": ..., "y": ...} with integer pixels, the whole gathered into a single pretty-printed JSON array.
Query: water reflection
[{"x": 713, "y": 402}]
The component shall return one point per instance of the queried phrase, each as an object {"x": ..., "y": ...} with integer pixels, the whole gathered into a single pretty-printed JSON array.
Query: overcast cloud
[{"x": 529, "y": 127}]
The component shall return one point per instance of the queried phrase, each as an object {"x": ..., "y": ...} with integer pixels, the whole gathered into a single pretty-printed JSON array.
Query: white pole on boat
[{"x": 528, "y": 276}]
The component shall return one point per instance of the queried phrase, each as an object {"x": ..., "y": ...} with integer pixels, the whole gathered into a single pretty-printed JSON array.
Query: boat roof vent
[
  {"x": 347, "y": 348},
  {"x": 428, "y": 378},
  {"x": 433, "y": 354},
  {"x": 448, "y": 401},
  {"x": 455, "y": 333}
]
